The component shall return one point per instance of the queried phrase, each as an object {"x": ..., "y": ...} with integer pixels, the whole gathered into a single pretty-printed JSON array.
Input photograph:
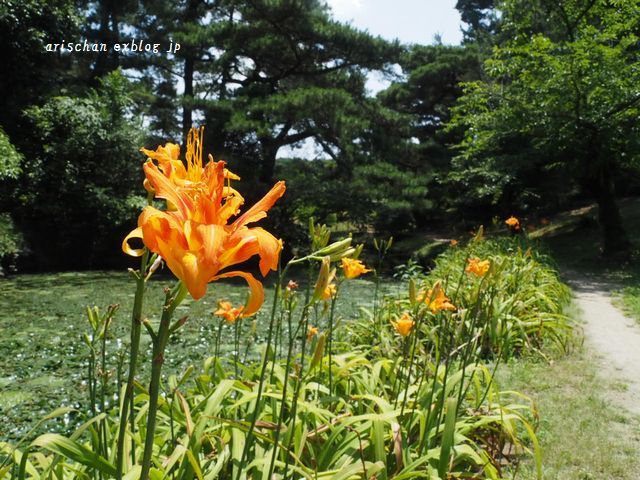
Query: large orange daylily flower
[{"x": 193, "y": 235}]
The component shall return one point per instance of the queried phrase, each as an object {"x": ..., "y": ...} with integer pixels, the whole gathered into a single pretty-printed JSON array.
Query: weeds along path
[{"x": 614, "y": 337}]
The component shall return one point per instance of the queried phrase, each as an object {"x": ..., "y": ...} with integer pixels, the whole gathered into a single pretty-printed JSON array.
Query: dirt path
[{"x": 614, "y": 337}]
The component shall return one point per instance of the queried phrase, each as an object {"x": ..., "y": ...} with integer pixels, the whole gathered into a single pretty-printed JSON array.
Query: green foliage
[
  {"x": 80, "y": 177},
  {"x": 306, "y": 80},
  {"x": 524, "y": 299},
  {"x": 31, "y": 73},
  {"x": 11, "y": 243},
  {"x": 423, "y": 100},
  {"x": 631, "y": 301},
  {"x": 315, "y": 406},
  {"x": 202, "y": 426},
  {"x": 379, "y": 194},
  {"x": 481, "y": 18},
  {"x": 10, "y": 158},
  {"x": 556, "y": 113},
  {"x": 11, "y": 240},
  {"x": 516, "y": 307}
]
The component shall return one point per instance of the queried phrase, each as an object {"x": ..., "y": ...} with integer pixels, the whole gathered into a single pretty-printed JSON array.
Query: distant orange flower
[
  {"x": 329, "y": 292},
  {"x": 353, "y": 268},
  {"x": 311, "y": 332},
  {"x": 404, "y": 324},
  {"x": 477, "y": 267},
  {"x": 513, "y": 223},
  {"x": 436, "y": 299},
  {"x": 292, "y": 285},
  {"x": 453, "y": 242},
  {"x": 193, "y": 235},
  {"x": 227, "y": 311}
]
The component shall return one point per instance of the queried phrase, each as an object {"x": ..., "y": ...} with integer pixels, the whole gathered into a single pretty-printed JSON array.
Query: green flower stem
[
  {"x": 403, "y": 368},
  {"x": 218, "y": 335},
  {"x": 304, "y": 322},
  {"x": 263, "y": 370},
  {"x": 236, "y": 340},
  {"x": 103, "y": 387},
  {"x": 172, "y": 300},
  {"x": 136, "y": 326},
  {"x": 284, "y": 398},
  {"x": 468, "y": 353},
  {"x": 330, "y": 340},
  {"x": 424, "y": 443},
  {"x": 413, "y": 346}
]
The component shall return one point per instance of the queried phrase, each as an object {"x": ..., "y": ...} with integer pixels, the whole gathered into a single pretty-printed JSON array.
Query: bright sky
[{"x": 411, "y": 21}]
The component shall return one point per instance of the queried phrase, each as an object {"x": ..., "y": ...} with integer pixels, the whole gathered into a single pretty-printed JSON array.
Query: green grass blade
[
  {"x": 447, "y": 437},
  {"x": 74, "y": 451}
]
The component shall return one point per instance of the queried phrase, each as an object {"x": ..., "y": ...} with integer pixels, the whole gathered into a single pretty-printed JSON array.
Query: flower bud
[
  {"x": 335, "y": 248},
  {"x": 319, "y": 235},
  {"x": 154, "y": 266},
  {"x": 346, "y": 254},
  {"x": 324, "y": 278},
  {"x": 412, "y": 292}
]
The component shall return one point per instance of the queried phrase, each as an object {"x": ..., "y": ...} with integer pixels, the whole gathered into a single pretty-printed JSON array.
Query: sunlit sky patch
[{"x": 411, "y": 21}]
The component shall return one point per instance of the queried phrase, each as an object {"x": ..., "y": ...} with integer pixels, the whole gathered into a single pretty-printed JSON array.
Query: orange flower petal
[
  {"x": 166, "y": 189},
  {"x": 258, "y": 211},
  {"x": 230, "y": 207},
  {"x": 244, "y": 247},
  {"x": 256, "y": 291},
  {"x": 268, "y": 248},
  {"x": 134, "y": 252}
]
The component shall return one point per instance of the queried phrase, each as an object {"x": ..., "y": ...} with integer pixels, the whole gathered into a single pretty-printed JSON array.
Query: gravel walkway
[{"x": 614, "y": 337}]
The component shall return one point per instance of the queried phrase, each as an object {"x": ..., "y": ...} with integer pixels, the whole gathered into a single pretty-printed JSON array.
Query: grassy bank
[{"x": 583, "y": 435}]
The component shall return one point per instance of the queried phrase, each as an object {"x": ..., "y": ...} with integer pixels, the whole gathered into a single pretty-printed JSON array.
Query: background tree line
[{"x": 535, "y": 110}]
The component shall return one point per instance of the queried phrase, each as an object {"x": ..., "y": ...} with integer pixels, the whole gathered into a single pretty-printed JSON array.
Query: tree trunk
[
  {"x": 190, "y": 16},
  {"x": 267, "y": 170},
  {"x": 187, "y": 109},
  {"x": 615, "y": 240},
  {"x": 102, "y": 66}
]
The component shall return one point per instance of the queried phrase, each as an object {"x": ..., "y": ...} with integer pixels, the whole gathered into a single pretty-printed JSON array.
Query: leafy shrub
[
  {"x": 204, "y": 417},
  {"x": 11, "y": 244},
  {"x": 10, "y": 158},
  {"x": 79, "y": 178},
  {"x": 379, "y": 194},
  {"x": 522, "y": 297}
]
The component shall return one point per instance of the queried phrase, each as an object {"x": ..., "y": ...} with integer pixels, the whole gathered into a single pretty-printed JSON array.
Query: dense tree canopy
[
  {"x": 78, "y": 190},
  {"x": 559, "y": 108},
  {"x": 537, "y": 107}
]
